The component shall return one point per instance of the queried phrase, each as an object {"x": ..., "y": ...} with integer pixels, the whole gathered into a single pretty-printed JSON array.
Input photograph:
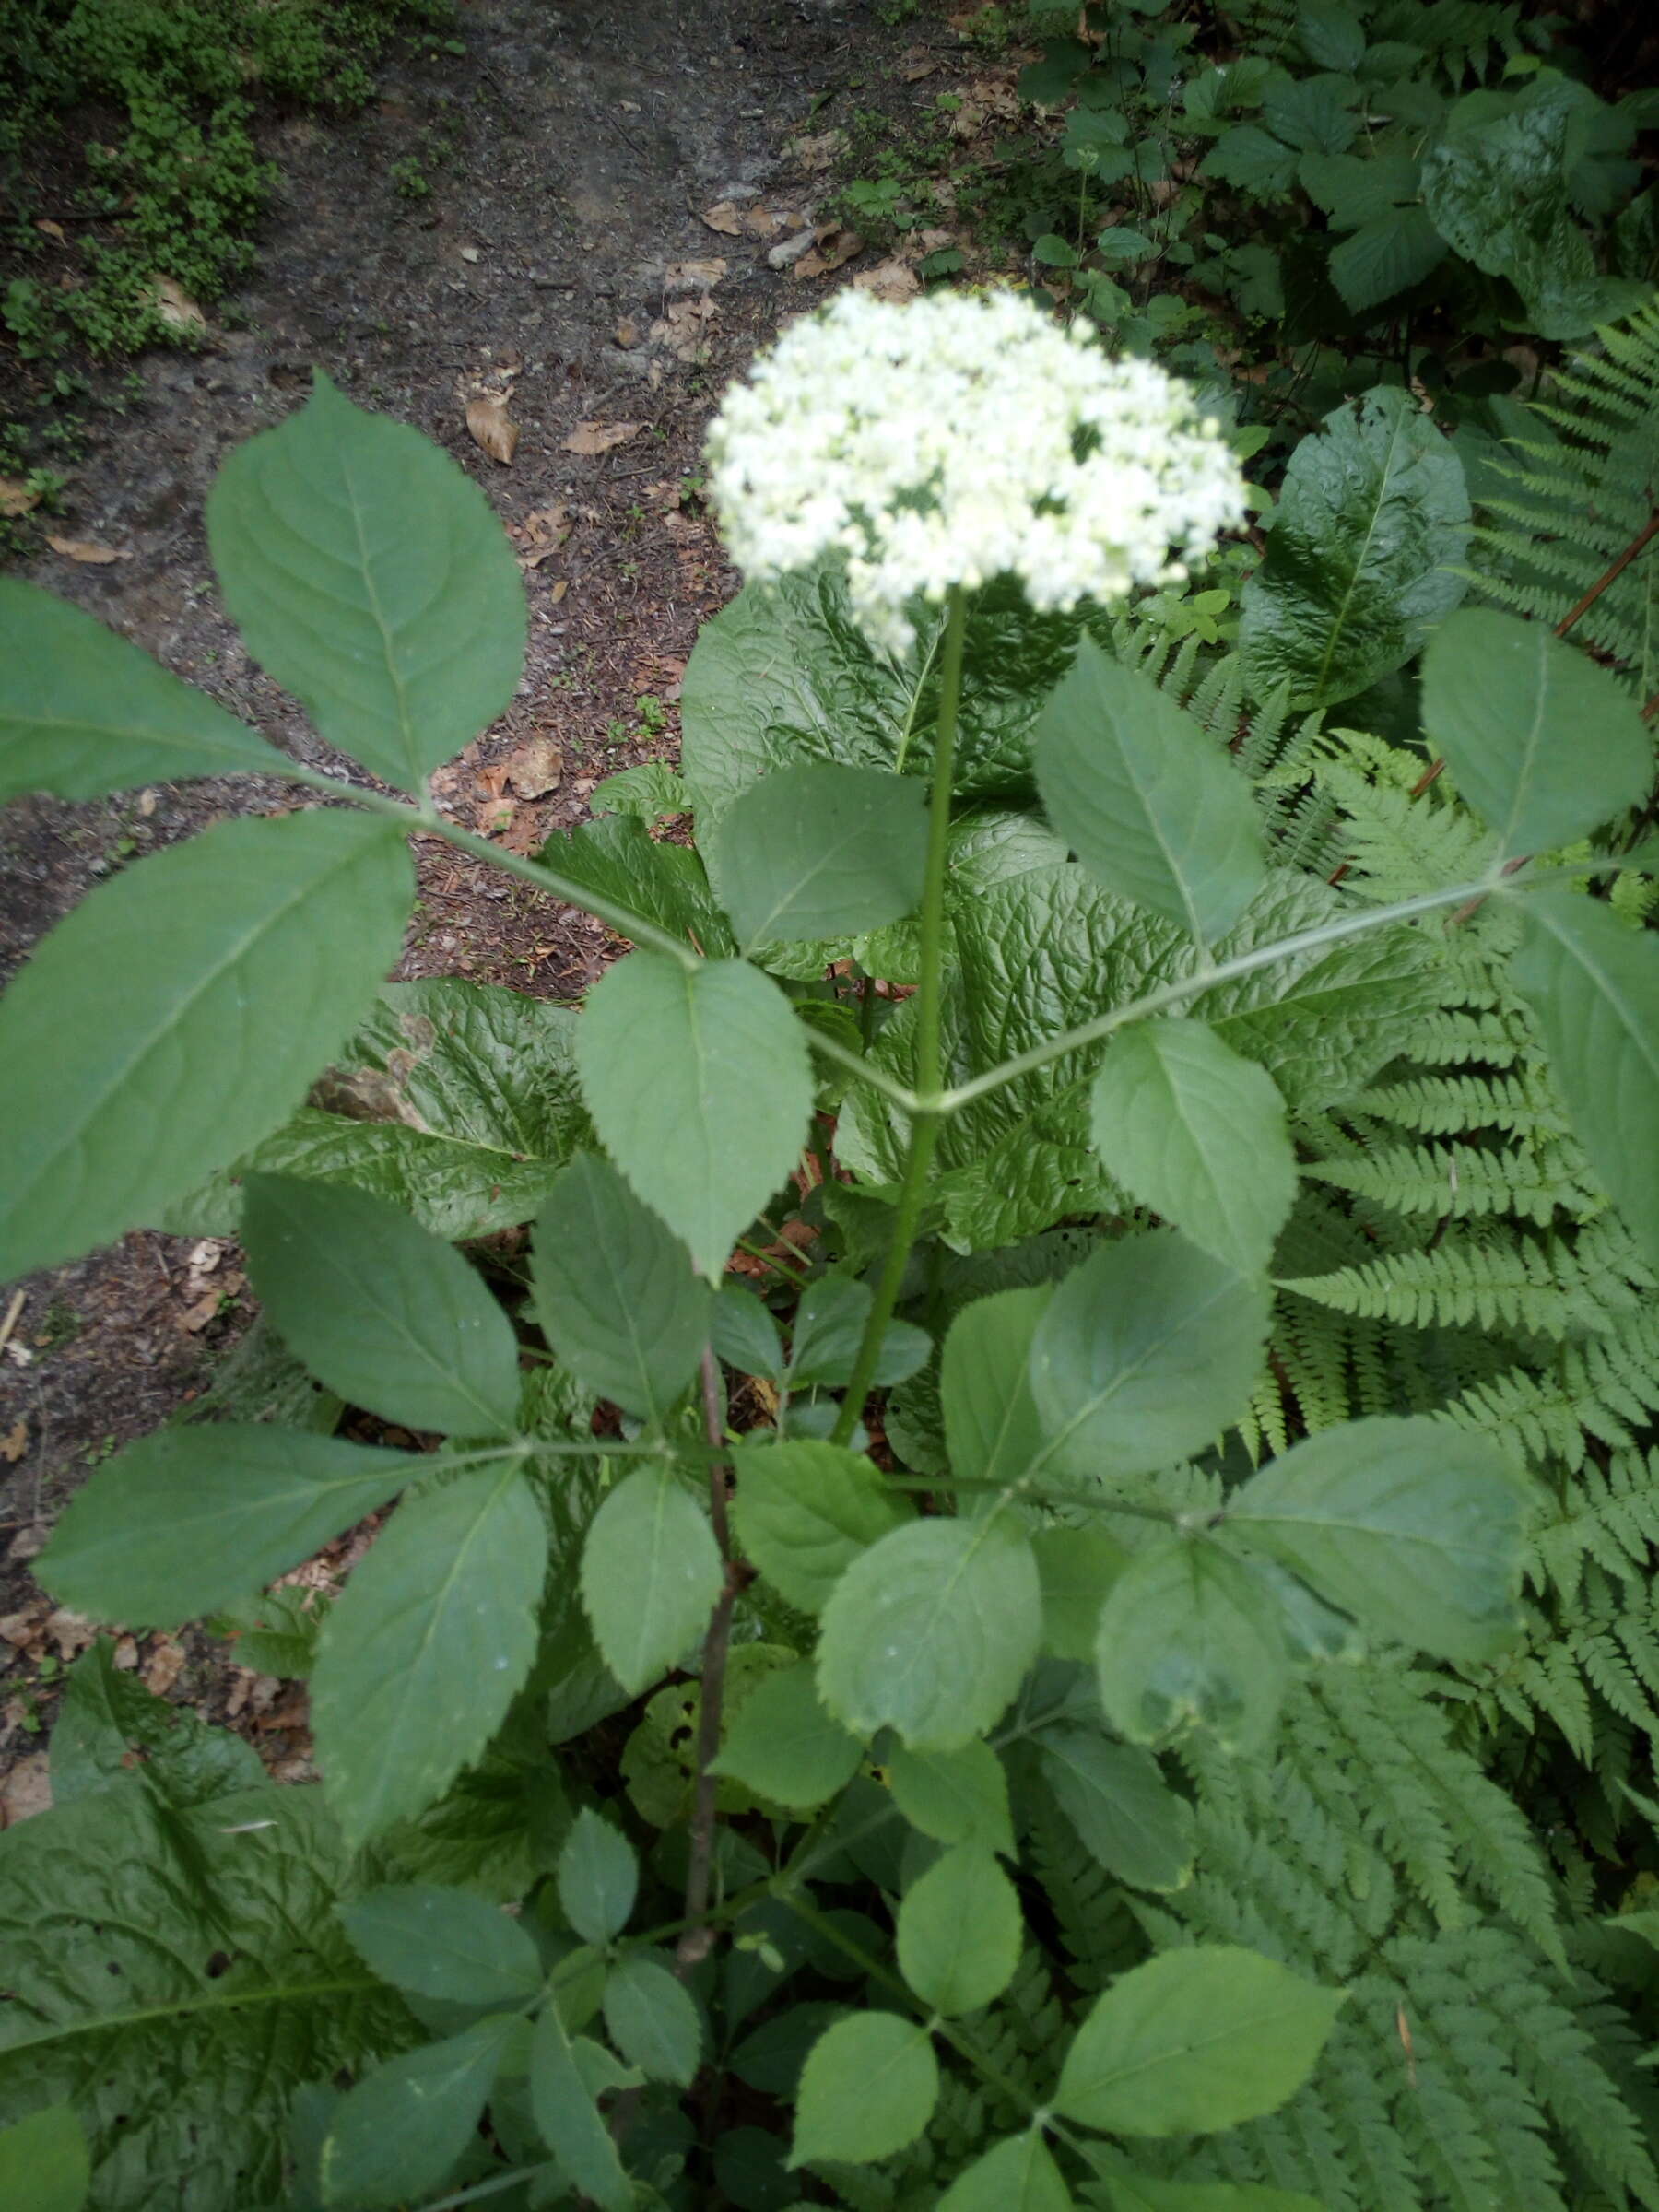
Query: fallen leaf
[
  {"x": 71, "y": 1633},
  {"x": 628, "y": 333},
  {"x": 126, "y": 1654},
  {"x": 204, "y": 1255},
  {"x": 535, "y": 769},
  {"x": 48, "y": 228},
  {"x": 164, "y": 1665},
  {"x": 834, "y": 249},
  {"x": 22, "y": 1630},
  {"x": 175, "y": 306},
  {"x": 764, "y": 222},
  {"x": 891, "y": 280},
  {"x": 692, "y": 276},
  {"x": 818, "y": 149},
  {"x": 918, "y": 62},
  {"x": 27, "y": 1790},
  {"x": 724, "y": 218},
  {"x": 492, "y": 427},
  {"x": 14, "y": 1442},
  {"x": 545, "y": 529},
  {"x": 559, "y": 591},
  {"x": 16, "y": 497},
  {"x": 599, "y": 437},
  {"x": 470, "y": 252},
  {"x": 85, "y": 549},
  {"x": 29, "y": 1539},
  {"x": 196, "y": 1317},
  {"x": 683, "y": 328}
]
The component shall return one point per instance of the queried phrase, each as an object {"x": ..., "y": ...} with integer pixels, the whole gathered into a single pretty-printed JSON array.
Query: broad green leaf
[
  {"x": 1145, "y": 1353},
  {"x": 44, "y": 2163},
  {"x": 1198, "y": 1134},
  {"x": 1152, "y": 805},
  {"x": 957, "y": 1796},
  {"x": 1251, "y": 158},
  {"x": 700, "y": 1085},
  {"x": 389, "y": 1316},
  {"x": 930, "y": 1631},
  {"x": 1412, "y": 1526},
  {"x": 804, "y": 1511},
  {"x": 109, "y": 1727},
  {"x": 1592, "y": 984},
  {"x": 598, "y": 1877},
  {"x": 784, "y": 1746},
  {"x": 187, "y": 1520},
  {"x": 1019, "y": 2175},
  {"x": 1125, "y": 1815},
  {"x": 402, "y": 2131},
  {"x": 616, "y": 1293},
  {"x": 829, "y": 1329},
  {"x": 568, "y": 2117},
  {"x": 668, "y": 884},
  {"x": 990, "y": 1426},
  {"x": 83, "y": 712},
  {"x": 1362, "y": 558},
  {"x": 1331, "y": 34},
  {"x": 1385, "y": 256},
  {"x": 443, "y": 1943},
  {"x": 653, "y": 2021},
  {"x": 820, "y": 850},
  {"x": 132, "y": 1065},
  {"x": 432, "y": 1641},
  {"x": 745, "y": 1334},
  {"x": 1545, "y": 744},
  {"x": 1077, "y": 1568},
  {"x": 651, "y": 1573},
  {"x": 371, "y": 579},
  {"x": 1194, "y": 2041},
  {"x": 1189, "y": 1640},
  {"x": 177, "y": 1975},
  {"x": 961, "y": 1931},
  {"x": 649, "y": 789},
  {"x": 1142, "y": 2193},
  {"x": 868, "y": 2087}
]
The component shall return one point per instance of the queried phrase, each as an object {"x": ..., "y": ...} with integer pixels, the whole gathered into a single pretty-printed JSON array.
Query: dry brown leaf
[
  {"x": 891, "y": 280},
  {"x": 559, "y": 591},
  {"x": 48, "y": 228},
  {"x": 535, "y": 769},
  {"x": 16, "y": 497},
  {"x": 626, "y": 333},
  {"x": 917, "y": 64},
  {"x": 71, "y": 1633},
  {"x": 764, "y": 222},
  {"x": 492, "y": 427},
  {"x": 175, "y": 306},
  {"x": 545, "y": 529},
  {"x": 14, "y": 1442},
  {"x": 164, "y": 1665},
  {"x": 196, "y": 1317},
  {"x": 27, "y": 1790},
  {"x": 724, "y": 218},
  {"x": 470, "y": 252},
  {"x": 818, "y": 149},
  {"x": 599, "y": 437},
  {"x": 126, "y": 1654},
  {"x": 834, "y": 249},
  {"x": 692, "y": 276},
  {"x": 683, "y": 328},
  {"x": 85, "y": 549}
]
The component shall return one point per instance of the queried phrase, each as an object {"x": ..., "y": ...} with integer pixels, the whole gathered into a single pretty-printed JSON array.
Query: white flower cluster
[{"x": 961, "y": 438}]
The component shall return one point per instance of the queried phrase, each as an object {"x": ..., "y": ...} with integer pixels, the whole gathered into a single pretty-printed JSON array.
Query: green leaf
[
  {"x": 1362, "y": 558},
  {"x": 1592, "y": 984},
  {"x": 820, "y": 850},
  {"x": 1152, "y": 806},
  {"x": 1385, "y": 257},
  {"x": 1331, "y": 34},
  {"x": 1412, "y": 1526},
  {"x": 700, "y": 1085},
  {"x": 868, "y": 2087},
  {"x": 187, "y": 1520},
  {"x": 745, "y": 1334},
  {"x": 1545, "y": 744},
  {"x": 653, "y": 2020},
  {"x": 961, "y": 1931},
  {"x": 931, "y": 1631},
  {"x": 83, "y": 712},
  {"x": 649, "y": 789},
  {"x": 177, "y": 1975},
  {"x": 650, "y": 1574},
  {"x": 44, "y": 2163},
  {"x": 804, "y": 1511},
  {"x": 615, "y": 1294},
  {"x": 1145, "y": 1353},
  {"x": 371, "y": 579},
  {"x": 109, "y": 1727},
  {"x": 402, "y": 2131},
  {"x": 668, "y": 884},
  {"x": 957, "y": 1796},
  {"x": 568, "y": 2117},
  {"x": 1142, "y": 2193},
  {"x": 598, "y": 1877},
  {"x": 1017, "y": 2176},
  {"x": 1077, "y": 1568},
  {"x": 1125, "y": 1815},
  {"x": 420, "y": 1658},
  {"x": 1189, "y": 1640},
  {"x": 1197, "y": 1134},
  {"x": 1251, "y": 158},
  {"x": 443, "y": 1943},
  {"x": 784, "y": 1746},
  {"x": 829, "y": 1329},
  {"x": 387, "y": 1315},
  {"x": 132, "y": 1064},
  {"x": 991, "y": 1428},
  {"x": 1194, "y": 2041}
]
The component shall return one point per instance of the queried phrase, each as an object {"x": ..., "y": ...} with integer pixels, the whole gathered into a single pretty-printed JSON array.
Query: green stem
[{"x": 925, "y": 1125}]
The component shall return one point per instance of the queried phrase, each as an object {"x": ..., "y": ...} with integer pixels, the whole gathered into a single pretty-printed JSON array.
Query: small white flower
[{"x": 959, "y": 438}]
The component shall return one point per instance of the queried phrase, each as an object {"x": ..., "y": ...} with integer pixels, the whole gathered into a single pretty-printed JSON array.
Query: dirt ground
[{"x": 564, "y": 263}]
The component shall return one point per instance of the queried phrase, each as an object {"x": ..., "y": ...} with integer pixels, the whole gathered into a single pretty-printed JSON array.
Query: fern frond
[
  {"x": 1457, "y": 1181},
  {"x": 1463, "y": 1284}
]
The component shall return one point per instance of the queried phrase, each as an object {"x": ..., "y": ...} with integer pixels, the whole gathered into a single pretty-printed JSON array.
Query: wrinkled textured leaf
[
  {"x": 131, "y": 1068},
  {"x": 700, "y": 1085},
  {"x": 820, "y": 849},
  {"x": 401, "y": 2132},
  {"x": 651, "y": 1573},
  {"x": 618, "y": 860},
  {"x": 1194, "y": 2041},
  {"x": 957, "y": 1796},
  {"x": 443, "y": 1943},
  {"x": 337, "y": 538},
  {"x": 784, "y": 1746},
  {"x": 1189, "y": 1639},
  {"x": 1124, "y": 1813},
  {"x": 111, "y": 1727},
  {"x": 804, "y": 1511},
  {"x": 867, "y": 2088},
  {"x": 1361, "y": 560},
  {"x": 961, "y": 1931},
  {"x": 420, "y": 1658},
  {"x": 1386, "y": 256}
]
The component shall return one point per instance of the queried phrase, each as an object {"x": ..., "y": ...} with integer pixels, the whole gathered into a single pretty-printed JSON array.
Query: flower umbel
[{"x": 961, "y": 439}]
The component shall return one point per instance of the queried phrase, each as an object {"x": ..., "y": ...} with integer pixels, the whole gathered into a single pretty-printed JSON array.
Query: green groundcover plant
[{"x": 1119, "y": 1675}]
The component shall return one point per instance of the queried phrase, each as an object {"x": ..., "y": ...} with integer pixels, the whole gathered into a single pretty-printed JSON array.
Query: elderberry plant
[{"x": 955, "y": 1591}]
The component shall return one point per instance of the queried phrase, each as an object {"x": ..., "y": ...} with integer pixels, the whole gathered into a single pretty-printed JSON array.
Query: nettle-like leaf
[
  {"x": 1194, "y": 2041},
  {"x": 699, "y": 1082},
  {"x": 83, "y": 712},
  {"x": 820, "y": 850},
  {"x": 131, "y": 1068},
  {"x": 598, "y": 1878},
  {"x": 432, "y": 1641},
  {"x": 1150, "y": 803},
  {"x": 1190, "y": 1639},
  {"x": 868, "y": 2087},
  {"x": 336, "y": 537},
  {"x": 668, "y": 884},
  {"x": 1545, "y": 744},
  {"x": 651, "y": 1573},
  {"x": 1362, "y": 559}
]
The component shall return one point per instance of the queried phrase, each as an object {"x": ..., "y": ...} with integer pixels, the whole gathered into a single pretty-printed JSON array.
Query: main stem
[
  {"x": 930, "y": 994},
  {"x": 697, "y": 1940}
]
